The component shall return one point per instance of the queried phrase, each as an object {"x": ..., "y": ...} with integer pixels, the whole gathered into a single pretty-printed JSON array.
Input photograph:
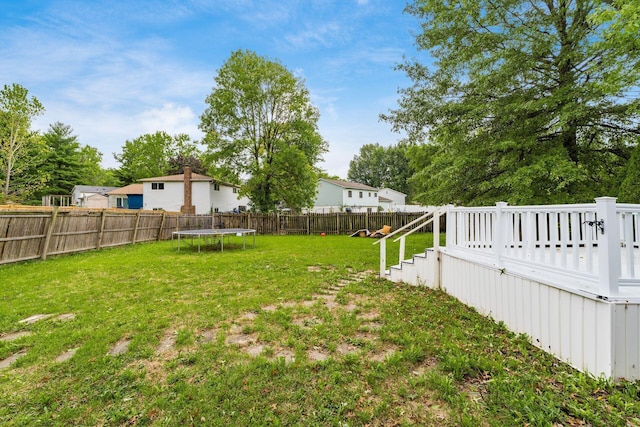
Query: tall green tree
[
  {"x": 522, "y": 103},
  {"x": 382, "y": 167},
  {"x": 63, "y": 163},
  {"x": 19, "y": 146},
  {"x": 260, "y": 123},
  {"x": 149, "y": 155},
  {"x": 623, "y": 23},
  {"x": 368, "y": 166},
  {"x": 630, "y": 187},
  {"x": 92, "y": 171}
]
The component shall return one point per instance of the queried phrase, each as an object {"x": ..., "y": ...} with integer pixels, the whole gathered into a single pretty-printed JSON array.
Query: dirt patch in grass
[
  {"x": 208, "y": 335},
  {"x": 255, "y": 350},
  {"x": 316, "y": 355},
  {"x": 64, "y": 317},
  {"x": 285, "y": 354},
  {"x": 369, "y": 315},
  {"x": 307, "y": 321},
  {"x": 155, "y": 370},
  {"x": 249, "y": 315},
  {"x": 66, "y": 355},
  {"x": 347, "y": 348},
  {"x": 15, "y": 335},
  {"x": 120, "y": 347},
  {"x": 167, "y": 343},
  {"x": 35, "y": 318},
  {"x": 239, "y": 338},
  {"x": 382, "y": 355},
  {"x": 9, "y": 360}
]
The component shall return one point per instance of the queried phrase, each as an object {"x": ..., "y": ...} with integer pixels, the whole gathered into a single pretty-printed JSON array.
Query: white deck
[
  {"x": 567, "y": 268},
  {"x": 566, "y": 276}
]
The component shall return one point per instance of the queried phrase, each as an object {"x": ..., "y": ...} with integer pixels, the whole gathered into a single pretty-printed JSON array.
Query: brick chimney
[{"x": 188, "y": 207}]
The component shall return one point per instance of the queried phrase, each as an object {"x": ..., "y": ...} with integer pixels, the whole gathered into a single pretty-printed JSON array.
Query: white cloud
[
  {"x": 170, "y": 118},
  {"x": 326, "y": 34}
]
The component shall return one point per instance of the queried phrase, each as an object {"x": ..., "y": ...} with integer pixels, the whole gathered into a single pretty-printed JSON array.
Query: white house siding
[
  {"x": 201, "y": 197},
  {"x": 329, "y": 195},
  {"x": 396, "y": 197},
  {"x": 118, "y": 200},
  {"x": 169, "y": 199},
  {"x": 95, "y": 201},
  {"x": 225, "y": 200},
  {"x": 360, "y": 200}
]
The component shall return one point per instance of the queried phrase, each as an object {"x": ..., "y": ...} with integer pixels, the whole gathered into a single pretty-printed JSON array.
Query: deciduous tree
[
  {"x": 149, "y": 155},
  {"x": 19, "y": 146},
  {"x": 382, "y": 167},
  {"x": 522, "y": 103},
  {"x": 260, "y": 124}
]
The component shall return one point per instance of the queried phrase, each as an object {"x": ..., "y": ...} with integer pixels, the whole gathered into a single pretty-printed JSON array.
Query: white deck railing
[
  {"x": 422, "y": 221},
  {"x": 592, "y": 247}
]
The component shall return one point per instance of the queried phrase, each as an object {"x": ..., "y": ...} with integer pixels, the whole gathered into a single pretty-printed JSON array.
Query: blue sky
[{"x": 114, "y": 70}]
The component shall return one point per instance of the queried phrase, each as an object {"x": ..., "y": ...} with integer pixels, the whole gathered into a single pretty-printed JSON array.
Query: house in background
[
  {"x": 386, "y": 205},
  {"x": 344, "y": 196},
  {"x": 395, "y": 198},
  {"x": 89, "y": 196},
  {"x": 191, "y": 193},
  {"x": 129, "y": 197}
]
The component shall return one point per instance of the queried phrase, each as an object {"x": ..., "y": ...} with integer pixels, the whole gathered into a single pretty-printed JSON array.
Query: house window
[
  {"x": 375, "y": 194},
  {"x": 216, "y": 187},
  {"x": 369, "y": 194},
  {"x": 361, "y": 194},
  {"x": 157, "y": 185},
  {"x": 350, "y": 194},
  {"x": 120, "y": 202},
  {"x": 216, "y": 210}
]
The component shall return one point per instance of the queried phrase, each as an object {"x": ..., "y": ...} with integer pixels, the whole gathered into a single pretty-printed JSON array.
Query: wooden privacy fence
[
  {"x": 32, "y": 233},
  {"x": 316, "y": 223}
]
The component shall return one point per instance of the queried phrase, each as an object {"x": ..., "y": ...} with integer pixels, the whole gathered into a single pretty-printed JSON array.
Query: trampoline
[{"x": 219, "y": 233}]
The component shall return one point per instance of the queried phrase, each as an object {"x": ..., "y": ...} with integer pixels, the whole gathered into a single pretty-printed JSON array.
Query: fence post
[
  {"x": 436, "y": 248},
  {"x": 162, "y": 225},
  {"x": 383, "y": 258},
  {"x": 498, "y": 235},
  {"x": 451, "y": 225},
  {"x": 101, "y": 232},
  {"x": 135, "y": 228},
  {"x": 608, "y": 245},
  {"x": 47, "y": 239}
]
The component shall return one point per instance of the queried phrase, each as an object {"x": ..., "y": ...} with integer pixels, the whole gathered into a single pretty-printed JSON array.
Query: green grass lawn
[{"x": 287, "y": 333}]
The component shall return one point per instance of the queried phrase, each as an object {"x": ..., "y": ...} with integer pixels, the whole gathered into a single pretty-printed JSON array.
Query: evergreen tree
[{"x": 63, "y": 163}]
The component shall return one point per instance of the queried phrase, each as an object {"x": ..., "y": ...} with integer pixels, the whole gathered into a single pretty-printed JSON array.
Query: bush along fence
[{"x": 37, "y": 233}]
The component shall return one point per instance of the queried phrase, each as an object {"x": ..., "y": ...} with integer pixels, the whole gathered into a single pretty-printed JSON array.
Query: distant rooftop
[
  {"x": 129, "y": 189},
  {"x": 350, "y": 185}
]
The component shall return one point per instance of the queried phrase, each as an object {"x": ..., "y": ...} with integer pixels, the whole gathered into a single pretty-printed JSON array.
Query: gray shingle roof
[{"x": 350, "y": 185}]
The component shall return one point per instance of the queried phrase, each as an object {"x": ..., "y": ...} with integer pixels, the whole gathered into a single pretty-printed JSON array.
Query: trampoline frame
[{"x": 213, "y": 233}]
